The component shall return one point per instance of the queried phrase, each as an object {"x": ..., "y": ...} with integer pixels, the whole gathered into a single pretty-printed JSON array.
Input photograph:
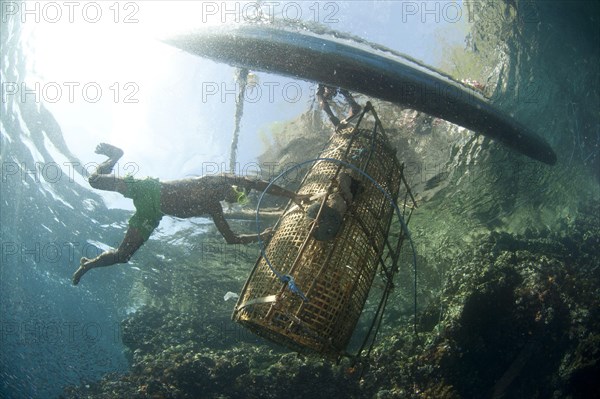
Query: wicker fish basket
[{"x": 332, "y": 249}]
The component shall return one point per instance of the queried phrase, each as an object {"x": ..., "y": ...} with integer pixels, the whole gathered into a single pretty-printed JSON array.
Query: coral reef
[{"x": 519, "y": 317}]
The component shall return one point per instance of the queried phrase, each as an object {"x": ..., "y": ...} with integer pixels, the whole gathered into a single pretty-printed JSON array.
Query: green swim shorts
[{"x": 145, "y": 194}]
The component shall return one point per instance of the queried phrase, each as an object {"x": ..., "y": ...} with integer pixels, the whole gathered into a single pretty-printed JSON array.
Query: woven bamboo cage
[{"x": 333, "y": 261}]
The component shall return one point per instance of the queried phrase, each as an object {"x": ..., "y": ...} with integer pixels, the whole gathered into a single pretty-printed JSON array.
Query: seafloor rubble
[{"x": 518, "y": 317}]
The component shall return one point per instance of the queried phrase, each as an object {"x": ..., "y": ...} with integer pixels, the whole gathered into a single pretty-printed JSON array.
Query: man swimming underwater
[{"x": 180, "y": 198}]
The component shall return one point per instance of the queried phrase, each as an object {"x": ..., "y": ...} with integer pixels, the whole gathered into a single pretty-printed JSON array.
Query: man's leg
[
  {"x": 102, "y": 178},
  {"x": 354, "y": 107},
  {"x": 113, "y": 153},
  {"x": 324, "y": 94},
  {"x": 132, "y": 242}
]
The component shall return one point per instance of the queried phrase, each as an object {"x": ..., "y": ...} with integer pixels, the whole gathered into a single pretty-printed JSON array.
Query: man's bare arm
[{"x": 230, "y": 236}]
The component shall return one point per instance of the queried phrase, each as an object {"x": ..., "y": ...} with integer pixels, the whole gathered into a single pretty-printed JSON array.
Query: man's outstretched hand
[{"x": 302, "y": 198}]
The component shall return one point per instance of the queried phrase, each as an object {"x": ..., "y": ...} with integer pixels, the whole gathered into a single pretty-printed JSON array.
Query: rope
[
  {"x": 241, "y": 77},
  {"x": 289, "y": 280}
]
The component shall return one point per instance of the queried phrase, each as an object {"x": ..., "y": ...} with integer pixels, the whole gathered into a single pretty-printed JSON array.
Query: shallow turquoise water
[{"x": 540, "y": 62}]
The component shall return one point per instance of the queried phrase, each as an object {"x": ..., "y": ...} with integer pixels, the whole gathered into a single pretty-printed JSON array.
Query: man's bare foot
[
  {"x": 109, "y": 150},
  {"x": 341, "y": 126},
  {"x": 81, "y": 271}
]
